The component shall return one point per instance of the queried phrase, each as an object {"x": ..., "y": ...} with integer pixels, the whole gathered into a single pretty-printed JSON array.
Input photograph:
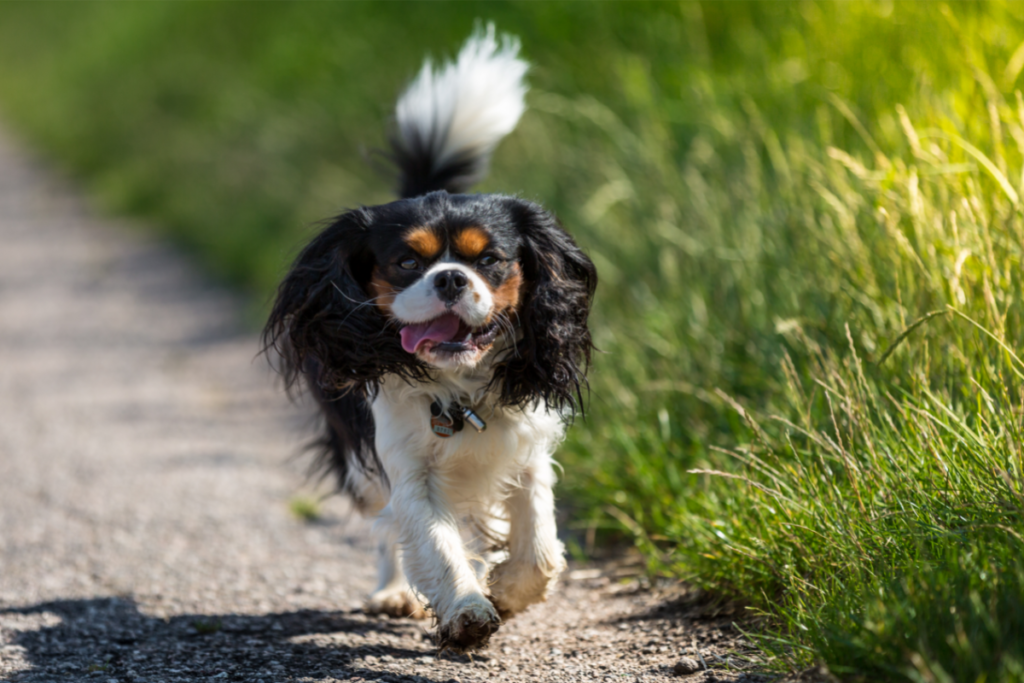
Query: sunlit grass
[
  {"x": 811, "y": 385},
  {"x": 807, "y": 222},
  {"x": 305, "y": 508}
]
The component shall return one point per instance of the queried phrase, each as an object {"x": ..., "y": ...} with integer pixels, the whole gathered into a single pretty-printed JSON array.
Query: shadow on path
[{"x": 105, "y": 639}]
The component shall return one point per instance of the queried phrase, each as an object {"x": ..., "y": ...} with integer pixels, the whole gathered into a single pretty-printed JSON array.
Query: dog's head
[{"x": 440, "y": 283}]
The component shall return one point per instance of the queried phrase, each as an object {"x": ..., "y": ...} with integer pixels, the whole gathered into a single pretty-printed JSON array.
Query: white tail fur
[{"x": 451, "y": 119}]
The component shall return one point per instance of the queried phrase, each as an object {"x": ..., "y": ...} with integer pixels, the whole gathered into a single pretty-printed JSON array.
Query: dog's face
[
  {"x": 452, "y": 289},
  {"x": 440, "y": 282}
]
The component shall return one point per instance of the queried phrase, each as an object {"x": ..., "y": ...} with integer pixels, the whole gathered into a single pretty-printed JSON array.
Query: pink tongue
[{"x": 439, "y": 329}]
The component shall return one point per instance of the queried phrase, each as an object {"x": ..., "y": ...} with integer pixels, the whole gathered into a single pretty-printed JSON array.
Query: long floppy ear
[
  {"x": 551, "y": 359},
  {"x": 324, "y": 325}
]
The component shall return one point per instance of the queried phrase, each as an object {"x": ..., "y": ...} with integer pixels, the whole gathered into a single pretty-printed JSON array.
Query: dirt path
[{"x": 145, "y": 476}]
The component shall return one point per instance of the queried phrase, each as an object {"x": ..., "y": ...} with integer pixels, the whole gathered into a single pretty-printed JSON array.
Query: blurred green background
[{"x": 807, "y": 222}]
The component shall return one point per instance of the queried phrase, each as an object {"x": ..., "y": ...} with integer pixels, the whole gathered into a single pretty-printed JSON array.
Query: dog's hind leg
[{"x": 393, "y": 595}]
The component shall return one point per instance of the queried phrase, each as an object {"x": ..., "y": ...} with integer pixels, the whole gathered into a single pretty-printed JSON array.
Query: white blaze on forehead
[{"x": 420, "y": 302}]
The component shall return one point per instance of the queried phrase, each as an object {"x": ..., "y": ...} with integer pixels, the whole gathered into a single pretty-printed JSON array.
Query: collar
[{"x": 445, "y": 423}]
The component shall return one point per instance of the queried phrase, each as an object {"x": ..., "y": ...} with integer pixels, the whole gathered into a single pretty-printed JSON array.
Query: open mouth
[{"x": 447, "y": 333}]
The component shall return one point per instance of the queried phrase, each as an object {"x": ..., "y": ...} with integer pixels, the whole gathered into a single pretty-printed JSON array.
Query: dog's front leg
[
  {"x": 535, "y": 553},
  {"x": 436, "y": 564}
]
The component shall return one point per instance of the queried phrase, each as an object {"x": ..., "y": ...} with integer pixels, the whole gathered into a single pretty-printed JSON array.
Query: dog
[{"x": 444, "y": 337}]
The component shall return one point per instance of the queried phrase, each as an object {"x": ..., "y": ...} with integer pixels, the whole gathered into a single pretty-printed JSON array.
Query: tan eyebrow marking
[
  {"x": 471, "y": 241},
  {"x": 424, "y": 242}
]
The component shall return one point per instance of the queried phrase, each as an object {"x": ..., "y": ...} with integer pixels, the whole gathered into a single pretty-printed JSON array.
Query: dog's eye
[
  {"x": 487, "y": 261},
  {"x": 409, "y": 264}
]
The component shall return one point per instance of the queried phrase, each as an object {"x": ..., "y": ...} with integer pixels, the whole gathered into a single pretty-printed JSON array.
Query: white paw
[
  {"x": 396, "y": 602},
  {"x": 469, "y": 626},
  {"x": 517, "y": 585}
]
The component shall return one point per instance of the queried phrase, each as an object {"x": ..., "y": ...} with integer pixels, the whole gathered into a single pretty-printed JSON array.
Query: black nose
[{"x": 449, "y": 284}]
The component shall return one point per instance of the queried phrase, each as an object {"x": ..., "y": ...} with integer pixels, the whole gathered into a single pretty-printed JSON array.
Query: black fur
[
  {"x": 418, "y": 172},
  {"x": 328, "y": 333},
  {"x": 324, "y": 324},
  {"x": 550, "y": 361},
  {"x": 416, "y": 157},
  {"x": 349, "y": 436}
]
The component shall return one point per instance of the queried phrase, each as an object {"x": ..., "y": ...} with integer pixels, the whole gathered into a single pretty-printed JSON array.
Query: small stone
[{"x": 686, "y": 666}]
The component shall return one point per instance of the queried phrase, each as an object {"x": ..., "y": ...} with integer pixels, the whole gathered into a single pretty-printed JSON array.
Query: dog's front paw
[
  {"x": 469, "y": 627},
  {"x": 400, "y": 602},
  {"x": 517, "y": 585}
]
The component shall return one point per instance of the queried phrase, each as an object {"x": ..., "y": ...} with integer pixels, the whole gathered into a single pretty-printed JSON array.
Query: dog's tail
[{"x": 450, "y": 120}]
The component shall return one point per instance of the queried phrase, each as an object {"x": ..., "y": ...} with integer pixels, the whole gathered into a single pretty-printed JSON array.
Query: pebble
[{"x": 685, "y": 666}]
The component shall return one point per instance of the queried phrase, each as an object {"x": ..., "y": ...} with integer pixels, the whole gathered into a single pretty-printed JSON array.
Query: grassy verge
[{"x": 807, "y": 220}]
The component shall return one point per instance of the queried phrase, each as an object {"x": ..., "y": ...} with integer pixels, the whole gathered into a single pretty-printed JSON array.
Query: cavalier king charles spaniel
[{"x": 444, "y": 337}]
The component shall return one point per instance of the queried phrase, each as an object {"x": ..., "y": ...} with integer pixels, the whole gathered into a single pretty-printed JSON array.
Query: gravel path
[{"x": 145, "y": 473}]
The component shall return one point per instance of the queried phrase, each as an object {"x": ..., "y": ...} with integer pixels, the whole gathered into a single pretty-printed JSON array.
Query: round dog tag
[{"x": 442, "y": 426}]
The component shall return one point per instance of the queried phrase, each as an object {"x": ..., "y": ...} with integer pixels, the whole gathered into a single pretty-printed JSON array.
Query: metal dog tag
[
  {"x": 473, "y": 419},
  {"x": 442, "y": 426}
]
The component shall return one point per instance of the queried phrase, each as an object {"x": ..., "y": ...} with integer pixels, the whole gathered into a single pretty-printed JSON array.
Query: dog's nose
[{"x": 449, "y": 284}]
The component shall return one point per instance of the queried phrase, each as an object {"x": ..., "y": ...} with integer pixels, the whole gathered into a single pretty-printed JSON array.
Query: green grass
[
  {"x": 807, "y": 221},
  {"x": 305, "y": 508}
]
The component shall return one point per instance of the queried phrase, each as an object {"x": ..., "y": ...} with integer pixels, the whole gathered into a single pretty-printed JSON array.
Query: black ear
[
  {"x": 324, "y": 325},
  {"x": 550, "y": 361}
]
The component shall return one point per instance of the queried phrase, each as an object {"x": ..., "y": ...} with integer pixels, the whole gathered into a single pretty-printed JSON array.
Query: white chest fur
[
  {"x": 476, "y": 467},
  {"x": 453, "y": 498}
]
